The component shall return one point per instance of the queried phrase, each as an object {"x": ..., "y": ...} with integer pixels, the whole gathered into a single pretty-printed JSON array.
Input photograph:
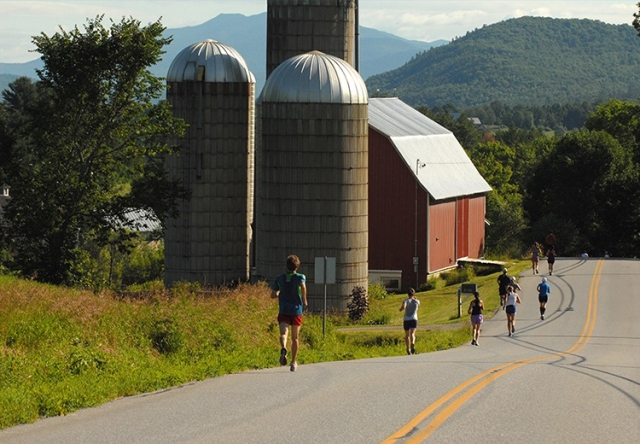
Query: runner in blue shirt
[
  {"x": 291, "y": 290},
  {"x": 543, "y": 296}
]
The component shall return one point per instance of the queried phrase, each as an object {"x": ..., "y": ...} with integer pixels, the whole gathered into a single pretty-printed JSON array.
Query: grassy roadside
[{"x": 63, "y": 349}]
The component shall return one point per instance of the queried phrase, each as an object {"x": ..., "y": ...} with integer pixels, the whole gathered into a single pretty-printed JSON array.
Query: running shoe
[
  {"x": 409, "y": 352},
  {"x": 509, "y": 334},
  {"x": 476, "y": 343},
  {"x": 513, "y": 329},
  {"x": 473, "y": 342},
  {"x": 542, "y": 317},
  {"x": 413, "y": 349},
  {"x": 294, "y": 366},
  {"x": 283, "y": 356}
]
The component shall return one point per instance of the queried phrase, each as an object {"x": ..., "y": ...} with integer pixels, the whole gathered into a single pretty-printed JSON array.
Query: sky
[{"x": 425, "y": 20}]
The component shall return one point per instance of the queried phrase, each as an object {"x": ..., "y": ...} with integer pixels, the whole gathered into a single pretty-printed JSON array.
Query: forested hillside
[
  {"x": 5, "y": 80},
  {"x": 526, "y": 61}
]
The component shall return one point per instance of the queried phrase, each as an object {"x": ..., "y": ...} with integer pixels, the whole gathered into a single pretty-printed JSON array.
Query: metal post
[
  {"x": 415, "y": 231},
  {"x": 324, "y": 311},
  {"x": 416, "y": 261},
  {"x": 459, "y": 303}
]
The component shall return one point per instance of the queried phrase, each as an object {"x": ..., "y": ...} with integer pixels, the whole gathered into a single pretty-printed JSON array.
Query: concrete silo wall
[
  {"x": 210, "y": 241},
  {"x": 298, "y": 26},
  {"x": 312, "y": 198}
]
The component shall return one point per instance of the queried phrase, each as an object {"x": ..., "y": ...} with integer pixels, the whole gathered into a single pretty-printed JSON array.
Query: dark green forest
[
  {"x": 582, "y": 185},
  {"x": 528, "y": 61}
]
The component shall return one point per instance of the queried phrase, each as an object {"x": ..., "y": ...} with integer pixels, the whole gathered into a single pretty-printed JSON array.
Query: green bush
[
  {"x": 431, "y": 284},
  {"x": 377, "y": 291},
  {"x": 382, "y": 319},
  {"x": 458, "y": 276},
  {"x": 166, "y": 337}
]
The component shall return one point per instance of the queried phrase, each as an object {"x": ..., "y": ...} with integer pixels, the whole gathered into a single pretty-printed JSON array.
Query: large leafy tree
[
  {"x": 495, "y": 162},
  {"x": 621, "y": 119},
  {"x": 96, "y": 136},
  {"x": 582, "y": 191}
]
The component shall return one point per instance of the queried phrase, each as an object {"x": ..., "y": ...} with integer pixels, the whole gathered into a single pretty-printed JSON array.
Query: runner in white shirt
[
  {"x": 410, "y": 307},
  {"x": 510, "y": 307}
]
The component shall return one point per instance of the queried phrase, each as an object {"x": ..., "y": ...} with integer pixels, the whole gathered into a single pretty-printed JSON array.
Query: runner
[
  {"x": 551, "y": 259},
  {"x": 514, "y": 284},
  {"x": 291, "y": 291},
  {"x": 512, "y": 299},
  {"x": 475, "y": 310},
  {"x": 543, "y": 296},
  {"x": 535, "y": 257},
  {"x": 503, "y": 281},
  {"x": 410, "y": 321}
]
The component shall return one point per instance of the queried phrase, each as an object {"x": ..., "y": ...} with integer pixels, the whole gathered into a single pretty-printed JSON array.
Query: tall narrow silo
[
  {"x": 313, "y": 190},
  {"x": 210, "y": 86},
  {"x": 296, "y": 27}
]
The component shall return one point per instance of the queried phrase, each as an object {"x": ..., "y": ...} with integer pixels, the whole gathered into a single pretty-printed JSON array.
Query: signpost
[
  {"x": 465, "y": 288},
  {"x": 325, "y": 273}
]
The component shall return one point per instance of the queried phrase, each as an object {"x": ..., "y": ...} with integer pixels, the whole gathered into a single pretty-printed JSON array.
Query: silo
[
  {"x": 210, "y": 86},
  {"x": 296, "y": 27},
  {"x": 313, "y": 190}
]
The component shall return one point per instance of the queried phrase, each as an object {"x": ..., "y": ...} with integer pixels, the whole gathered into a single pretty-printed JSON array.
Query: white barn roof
[{"x": 447, "y": 172}]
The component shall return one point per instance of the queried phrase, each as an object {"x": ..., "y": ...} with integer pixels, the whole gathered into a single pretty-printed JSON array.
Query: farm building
[
  {"x": 312, "y": 191},
  {"x": 4, "y": 198},
  {"x": 372, "y": 182},
  {"x": 210, "y": 86},
  {"x": 426, "y": 198}
]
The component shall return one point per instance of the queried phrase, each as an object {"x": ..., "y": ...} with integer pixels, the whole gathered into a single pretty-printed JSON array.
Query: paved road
[{"x": 574, "y": 377}]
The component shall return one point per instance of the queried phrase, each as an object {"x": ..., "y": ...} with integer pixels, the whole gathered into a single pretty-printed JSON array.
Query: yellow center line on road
[{"x": 485, "y": 378}]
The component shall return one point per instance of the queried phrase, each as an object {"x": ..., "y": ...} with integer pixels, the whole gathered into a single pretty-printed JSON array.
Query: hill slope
[{"x": 529, "y": 61}]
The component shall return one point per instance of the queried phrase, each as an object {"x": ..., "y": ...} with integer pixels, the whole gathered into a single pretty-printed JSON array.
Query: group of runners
[
  {"x": 290, "y": 290},
  {"x": 536, "y": 251}
]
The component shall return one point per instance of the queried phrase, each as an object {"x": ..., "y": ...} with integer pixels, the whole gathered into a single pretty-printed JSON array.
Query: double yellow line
[{"x": 467, "y": 389}]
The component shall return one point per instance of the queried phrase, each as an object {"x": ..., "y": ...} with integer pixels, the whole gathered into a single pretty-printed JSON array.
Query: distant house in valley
[
  {"x": 4, "y": 198},
  {"x": 427, "y": 201}
]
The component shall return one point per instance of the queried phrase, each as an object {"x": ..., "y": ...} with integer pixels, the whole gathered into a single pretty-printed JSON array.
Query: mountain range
[
  {"x": 380, "y": 51},
  {"x": 530, "y": 61}
]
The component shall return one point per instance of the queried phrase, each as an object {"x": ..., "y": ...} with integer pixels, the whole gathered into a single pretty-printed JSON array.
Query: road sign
[{"x": 325, "y": 270}]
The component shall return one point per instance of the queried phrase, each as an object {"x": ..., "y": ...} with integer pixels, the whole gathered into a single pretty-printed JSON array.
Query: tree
[
  {"x": 495, "y": 162},
  {"x": 96, "y": 138},
  {"x": 621, "y": 119},
  {"x": 585, "y": 185}
]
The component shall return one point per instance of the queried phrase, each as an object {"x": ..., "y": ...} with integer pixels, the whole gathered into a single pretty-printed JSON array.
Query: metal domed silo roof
[
  {"x": 221, "y": 64},
  {"x": 315, "y": 77}
]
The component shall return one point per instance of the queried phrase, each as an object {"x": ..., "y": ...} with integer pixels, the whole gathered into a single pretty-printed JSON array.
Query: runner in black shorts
[
  {"x": 503, "y": 281},
  {"x": 543, "y": 296},
  {"x": 410, "y": 320}
]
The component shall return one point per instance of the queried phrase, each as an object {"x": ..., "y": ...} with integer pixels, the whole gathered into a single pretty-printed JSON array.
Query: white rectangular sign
[{"x": 325, "y": 270}]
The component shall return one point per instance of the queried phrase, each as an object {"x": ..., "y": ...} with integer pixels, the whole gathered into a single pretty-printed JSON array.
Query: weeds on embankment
[{"x": 63, "y": 349}]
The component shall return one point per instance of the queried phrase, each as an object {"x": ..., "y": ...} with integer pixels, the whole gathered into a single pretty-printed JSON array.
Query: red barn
[{"x": 426, "y": 198}]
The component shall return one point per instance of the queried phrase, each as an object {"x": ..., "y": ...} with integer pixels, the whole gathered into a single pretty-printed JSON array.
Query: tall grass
[{"x": 63, "y": 349}]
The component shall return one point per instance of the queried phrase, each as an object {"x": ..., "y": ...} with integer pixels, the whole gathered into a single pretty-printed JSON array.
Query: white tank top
[{"x": 511, "y": 299}]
